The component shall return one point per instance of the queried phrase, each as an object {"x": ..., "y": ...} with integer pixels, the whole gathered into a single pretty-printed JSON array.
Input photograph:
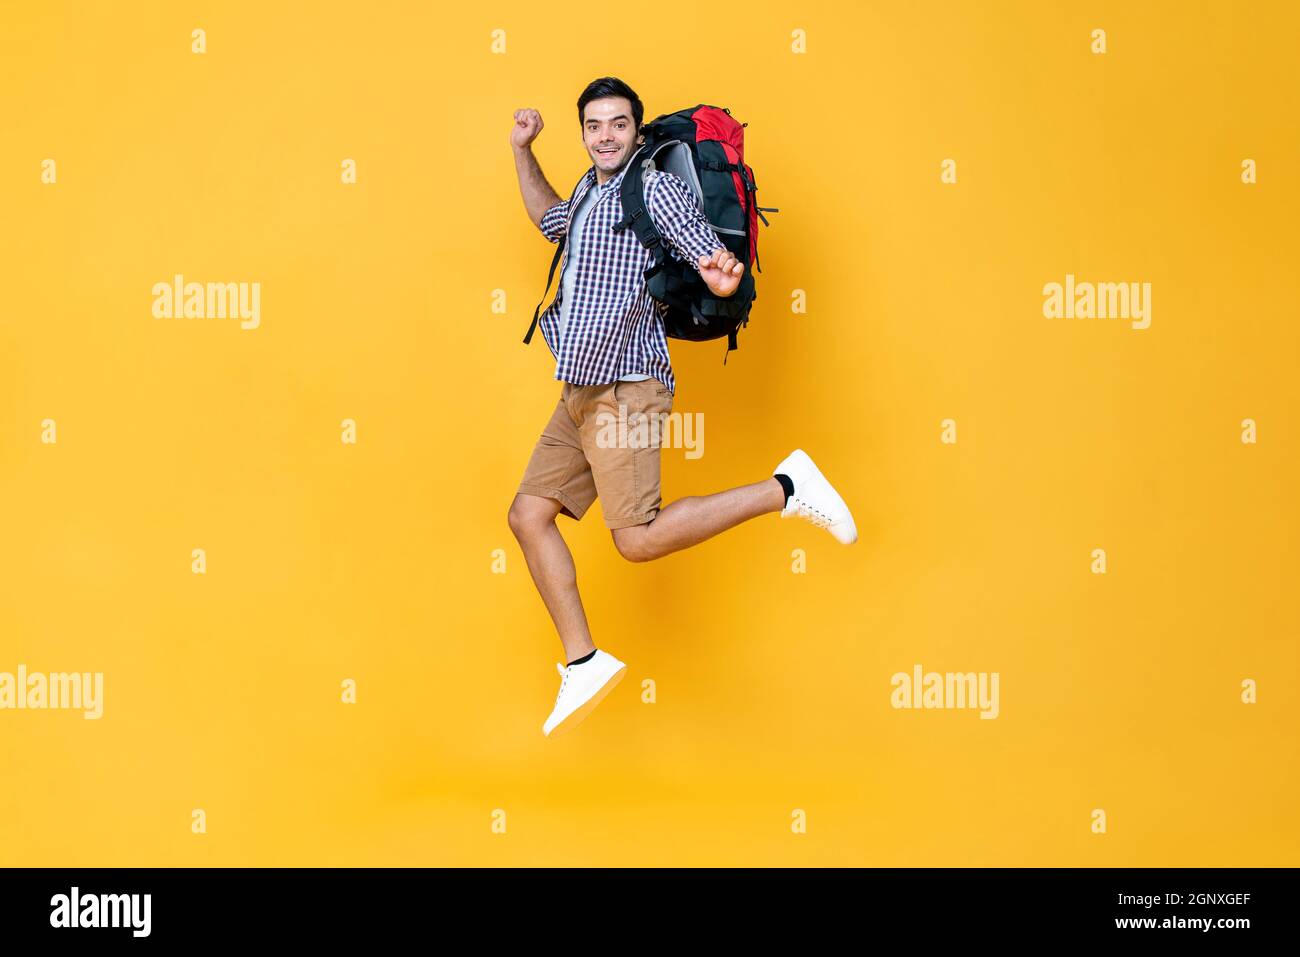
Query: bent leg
[
  {"x": 690, "y": 520},
  {"x": 626, "y": 475}
]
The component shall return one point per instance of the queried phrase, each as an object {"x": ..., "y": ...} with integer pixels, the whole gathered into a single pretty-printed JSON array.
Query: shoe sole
[
  {"x": 848, "y": 514},
  {"x": 575, "y": 719}
]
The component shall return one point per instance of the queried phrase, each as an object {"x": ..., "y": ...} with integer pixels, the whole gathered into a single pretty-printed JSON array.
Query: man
[{"x": 606, "y": 333}]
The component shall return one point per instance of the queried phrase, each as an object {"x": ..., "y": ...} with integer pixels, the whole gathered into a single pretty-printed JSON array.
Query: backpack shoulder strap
[
  {"x": 555, "y": 260},
  {"x": 559, "y": 250},
  {"x": 635, "y": 215}
]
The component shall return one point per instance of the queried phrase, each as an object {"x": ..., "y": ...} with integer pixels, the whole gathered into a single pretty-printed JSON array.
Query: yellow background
[{"x": 373, "y": 562}]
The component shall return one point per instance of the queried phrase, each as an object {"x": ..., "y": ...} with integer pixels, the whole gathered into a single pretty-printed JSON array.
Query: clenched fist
[
  {"x": 721, "y": 271},
  {"x": 528, "y": 123}
]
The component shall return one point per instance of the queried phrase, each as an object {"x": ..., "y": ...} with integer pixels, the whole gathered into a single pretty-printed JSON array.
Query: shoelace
[
  {"x": 804, "y": 510},
  {"x": 564, "y": 673}
]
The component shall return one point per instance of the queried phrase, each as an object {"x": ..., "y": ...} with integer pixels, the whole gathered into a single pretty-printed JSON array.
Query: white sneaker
[
  {"x": 815, "y": 498},
  {"x": 583, "y": 687}
]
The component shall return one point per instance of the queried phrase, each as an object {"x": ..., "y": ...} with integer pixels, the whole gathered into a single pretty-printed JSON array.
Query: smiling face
[{"x": 609, "y": 135}]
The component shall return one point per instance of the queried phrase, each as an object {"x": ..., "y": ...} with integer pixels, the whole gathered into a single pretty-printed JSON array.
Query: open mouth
[{"x": 607, "y": 151}]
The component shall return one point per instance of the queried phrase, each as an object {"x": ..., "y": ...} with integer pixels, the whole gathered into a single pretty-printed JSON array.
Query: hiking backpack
[{"x": 705, "y": 147}]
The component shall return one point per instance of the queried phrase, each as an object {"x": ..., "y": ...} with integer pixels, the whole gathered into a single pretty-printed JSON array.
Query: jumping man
[{"x": 607, "y": 335}]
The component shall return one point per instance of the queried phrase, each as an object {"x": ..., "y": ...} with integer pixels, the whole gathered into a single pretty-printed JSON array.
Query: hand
[
  {"x": 721, "y": 271},
  {"x": 528, "y": 123}
]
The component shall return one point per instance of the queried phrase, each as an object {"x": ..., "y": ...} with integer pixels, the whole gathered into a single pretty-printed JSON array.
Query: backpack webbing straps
[
  {"x": 646, "y": 232},
  {"x": 638, "y": 217}
]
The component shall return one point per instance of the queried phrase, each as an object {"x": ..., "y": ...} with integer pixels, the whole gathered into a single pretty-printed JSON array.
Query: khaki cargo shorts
[{"x": 583, "y": 453}]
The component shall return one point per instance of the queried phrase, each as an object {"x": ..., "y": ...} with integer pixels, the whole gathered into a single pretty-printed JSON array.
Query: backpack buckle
[{"x": 625, "y": 222}]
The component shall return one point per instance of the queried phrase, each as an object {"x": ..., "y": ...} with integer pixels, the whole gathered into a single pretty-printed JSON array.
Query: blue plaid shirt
[{"x": 615, "y": 326}]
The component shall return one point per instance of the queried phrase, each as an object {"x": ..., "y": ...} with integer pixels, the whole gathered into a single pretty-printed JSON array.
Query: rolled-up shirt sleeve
[
  {"x": 555, "y": 221},
  {"x": 686, "y": 232}
]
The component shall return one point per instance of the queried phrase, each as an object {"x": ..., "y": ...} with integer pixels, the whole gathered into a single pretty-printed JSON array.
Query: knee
[
  {"x": 631, "y": 544},
  {"x": 526, "y": 519}
]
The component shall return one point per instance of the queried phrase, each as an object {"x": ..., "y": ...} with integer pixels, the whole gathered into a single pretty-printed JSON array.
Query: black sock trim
[
  {"x": 787, "y": 485},
  {"x": 587, "y": 657}
]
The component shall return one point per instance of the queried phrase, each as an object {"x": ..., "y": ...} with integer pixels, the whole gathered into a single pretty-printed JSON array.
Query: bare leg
[
  {"x": 689, "y": 521},
  {"x": 532, "y": 519}
]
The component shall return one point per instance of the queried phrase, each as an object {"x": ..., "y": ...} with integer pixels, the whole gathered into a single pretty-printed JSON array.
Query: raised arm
[{"x": 538, "y": 195}]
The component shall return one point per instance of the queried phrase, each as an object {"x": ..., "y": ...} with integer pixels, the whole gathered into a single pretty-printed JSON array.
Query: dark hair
[{"x": 610, "y": 86}]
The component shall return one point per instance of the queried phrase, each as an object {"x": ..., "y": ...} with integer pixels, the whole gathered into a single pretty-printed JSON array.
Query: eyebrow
[{"x": 619, "y": 117}]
